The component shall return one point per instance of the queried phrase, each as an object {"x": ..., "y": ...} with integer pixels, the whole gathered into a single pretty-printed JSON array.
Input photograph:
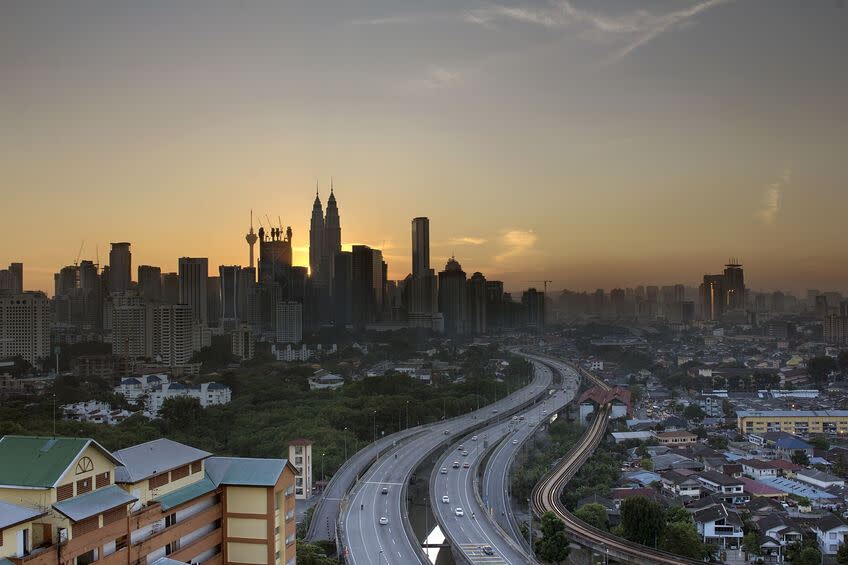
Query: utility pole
[{"x": 345, "y": 441}]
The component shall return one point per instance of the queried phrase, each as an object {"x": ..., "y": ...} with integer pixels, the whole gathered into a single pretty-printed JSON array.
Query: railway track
[{"x": 546, "y": 497}]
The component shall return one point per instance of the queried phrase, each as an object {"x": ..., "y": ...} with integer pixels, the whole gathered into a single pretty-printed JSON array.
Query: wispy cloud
[
  {"x": 436, "y": 78},
  {"x": 771, "y": 198},
  {"x": 629, "y": 30},
  {"x": 516, "y": 242},
  {"x": 466, "y": 241},
  {"x": 388, "y": 20}
]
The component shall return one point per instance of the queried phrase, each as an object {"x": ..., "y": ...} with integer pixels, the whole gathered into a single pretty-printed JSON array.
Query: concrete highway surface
[{"x": 364, "y": 539}]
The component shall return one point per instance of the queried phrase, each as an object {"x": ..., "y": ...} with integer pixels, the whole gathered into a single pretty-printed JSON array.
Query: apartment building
[
  {"x": 69, "y": 501},
  {"x": 796, "y": 422}
]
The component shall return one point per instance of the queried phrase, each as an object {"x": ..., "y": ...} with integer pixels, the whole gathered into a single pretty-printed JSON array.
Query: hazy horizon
[{"x": 590, "y": 143}]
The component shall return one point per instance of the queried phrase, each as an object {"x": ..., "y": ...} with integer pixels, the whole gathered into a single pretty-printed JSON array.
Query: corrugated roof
[
  {"x": 154, "y": 457},
  {"x": 95, "y": 502},
  {"x": 182, "y": 495},
  {"x": 40, "y": 462},
  {"x": 167, "y": 561},
  {"x": 11, "y": 514},
  {"x": 236, "y": 471}
]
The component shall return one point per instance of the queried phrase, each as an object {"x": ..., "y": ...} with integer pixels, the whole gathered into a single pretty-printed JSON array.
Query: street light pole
[
  {"x": 322, "y": 466},
  {"x": 407, "y": 414},
  {"x": 530, "y": 513},
  {"x": 345, "y": 441},
  {"x": 375, "y": 425}
]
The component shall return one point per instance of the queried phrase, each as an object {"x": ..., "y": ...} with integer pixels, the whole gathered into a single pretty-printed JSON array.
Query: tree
[
  {"x": 593, "y": 514},
  {"x": 820, "y": 368},
  {"x": 842, "y": 360},
  {"x": 682, "y": 538},
  {"x": 808, "y": 556},
  {"x": 181, "y": 412},
  {"x": 728, "y": 408},
  {"x": 642, "y": 520},
  {"x": 842, "y": 554},
  {"x": 694, "y": 412},
  {"x": 647, "y": 464},
  {"x": 799, "y": 457},
  {"x": 553, "y": 545},
  {"x": 819, "y": 442},
  {"x": 717, "y": 442},
  {"x": 677, "y": 514},
  {"x": 751, "y": 543}
]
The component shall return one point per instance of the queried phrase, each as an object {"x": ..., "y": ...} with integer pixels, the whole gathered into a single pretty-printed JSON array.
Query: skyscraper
[
  {"x": 420, "y": 247},
  {"x": 343, "y": 288},
  {"x": 452, "y": 297},
  {"x": 12, "y": 279},
  {"x": 712, "y": 297},
  {"x": 317, "y": 250},
  {"x": 229, "y": 276},
  {"x": 332, "y": 234},
  {"x": 194, "y": 273},
  {"x": 734, "y": 285},
  {"x": 120, "y": 267},
  {"x": 477, "y": 300},
  {"x": 150, "y": 282},
  {"x": 25, "y": 326}
]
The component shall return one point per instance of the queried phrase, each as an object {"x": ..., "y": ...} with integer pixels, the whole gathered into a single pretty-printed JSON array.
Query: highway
[
  {"x": 546, "y": 497},
  {"x": 364, "y": 539},
  {"x": 472, "y": 534},
  {"x": 496, "y": 475}
]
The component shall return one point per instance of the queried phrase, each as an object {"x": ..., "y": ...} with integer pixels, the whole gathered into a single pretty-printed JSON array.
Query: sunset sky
[{"x": 596, "y": 143}]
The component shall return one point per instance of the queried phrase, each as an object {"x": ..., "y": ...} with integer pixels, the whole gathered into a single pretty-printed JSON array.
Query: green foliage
[
  {"x": 647, "y": 464},
  {"x": 842, "y": 552},
  {"x": 728, "y": 408},
  {"x": 315, "y": 553},
  {"x": 552, "y": 547},
  {"x": 717, "y": 442},
  {"x": 563, "y": 435},
  {"x": 677, "y": 514},
  {"x": 804, "y": 554},
  {"x": 642, "y": 520},
  {"x": 799, "y": 457},
  {"x": 593, "y": 514},
  {"x": 596, "y": 476},
  {"x": 842, "y": 360},
  {"x": 840, "y": 466},
  {"x": 820, "y": 368},
  {"x": 751, "y": 543},
  {"x": 694, "y": 412},
  {"x": 217, "y": 355},
  {"x": 682, "y": 538},
  {"x": 819, "y": 442}
]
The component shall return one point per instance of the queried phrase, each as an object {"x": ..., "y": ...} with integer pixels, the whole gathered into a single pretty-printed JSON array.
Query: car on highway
[
  {"x": 515, "y": 442},
  {"x": 447, "y": 432},
  {"x": 444, "y": 471},
  {"x": 465, "y": 453},
  {"x": 445, "y": 499},
  {"x": 459, "y": 511},
  {"x": 466, "y": 465},
  {"x": 461, "y": 447},
  {"x": 473, "y": 438},
  {"x": 384, "y": 491},
  {"x": 383, "y": 520},
  {"x": 487, "y": 549},
  {"x": 456, "y": 464}
]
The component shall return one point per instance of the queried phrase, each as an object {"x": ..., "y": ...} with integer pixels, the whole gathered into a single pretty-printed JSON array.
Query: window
[
  {"x": 170, "y": 520},
  {"x": 172, "y": 547},
  {"x": 120, "y": 543},
  {"x": 84, "y": 466}
]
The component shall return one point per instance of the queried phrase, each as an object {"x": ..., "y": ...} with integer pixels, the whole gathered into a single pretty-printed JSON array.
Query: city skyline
[{"x": 587, "y": 143}]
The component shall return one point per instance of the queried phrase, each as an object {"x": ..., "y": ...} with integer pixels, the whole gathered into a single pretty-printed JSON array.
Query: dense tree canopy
[
  {"x": 642, "y": 520},
  {"x": 552, "y": 547}
]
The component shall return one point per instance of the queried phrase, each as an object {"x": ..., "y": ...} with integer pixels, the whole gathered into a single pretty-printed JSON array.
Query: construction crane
[
  {"x": 79, "y": 253},
  {"x": 544, "y": 283}
]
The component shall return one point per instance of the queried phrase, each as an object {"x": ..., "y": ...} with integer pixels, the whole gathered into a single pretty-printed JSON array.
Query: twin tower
[{"x": 325, "y": 239}]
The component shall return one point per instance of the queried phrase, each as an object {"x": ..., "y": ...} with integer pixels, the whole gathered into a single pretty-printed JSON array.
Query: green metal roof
[
  {"x": 94, "y": 503},
  {"x": 38, "y": 462},
  {"x": 183, "y": 495},
  {"x": 248, "y": 472}
]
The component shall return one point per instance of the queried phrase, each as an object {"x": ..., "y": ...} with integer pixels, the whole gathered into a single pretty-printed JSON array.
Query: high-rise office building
[
  {"x": 734, "y": 286},
  {"x": 366, "y": 283},
  {"x": 12, "y": 279},
  {"x": 171, "y": 288},
  {"x": 275, "y": 255},
  {"x": 25, "y": 326},
  {"x": 343, "y": 288},
  {"x": 213, "y": 301},
  {"x": 150, "y": 282},
  {"x": 132, "y": 326},
  {"x": 420, "y": 247},
  {"x": 120, "y": 267},
  {"x": 477, "y": 300},
  {"x": 317, "y": 251},
  {"x": 712, "y": 297},
  {"x": 533, "y": 304},
  {"x": 229, "y": 277},
  {"x": 194, "y": 275},
  {"x": 453, "y": 298},
  {"x": 332, "y": 233}
]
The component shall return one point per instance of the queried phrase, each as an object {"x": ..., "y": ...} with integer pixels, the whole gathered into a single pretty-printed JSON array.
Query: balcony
[{"x": 173, "y": 533}]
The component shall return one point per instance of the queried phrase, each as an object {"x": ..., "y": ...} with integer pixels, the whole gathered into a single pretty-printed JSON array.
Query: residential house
[
  {"x": 718, "y": 526},
  {"x": 680, "y": 437},
  {"x": 785, "y": 468},
  {"x": 758, "y": 469},
  {"x": 681, "y": 485},
  {"x": 728, "y": 489},
  {"x": 819, "y": 479},
  {"x": 830, "y": 532}
]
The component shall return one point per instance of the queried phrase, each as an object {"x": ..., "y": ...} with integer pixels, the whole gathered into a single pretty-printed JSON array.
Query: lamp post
[
  {"x": 407, "y": 414},
  {"x": 530, "y": 513},
  {"x": 345, "y": 441},
  {"x": 374, "y": 412},
  {"x": 322, "y": 466}
]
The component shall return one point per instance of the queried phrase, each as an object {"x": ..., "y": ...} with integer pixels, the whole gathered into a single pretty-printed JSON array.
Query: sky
[{"x": 593, "y": 143}]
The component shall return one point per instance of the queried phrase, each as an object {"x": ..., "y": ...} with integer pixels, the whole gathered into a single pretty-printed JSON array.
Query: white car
[
  {"x": 473, "y": 438},
  {"x": 384, "y": 521},
  {"x": 444, "y": 471},
  {"x": 459, "y": 512},
  {"x": 465, "y": 453},
  {"x": 515, "y": 442},
  {"x": 445, "y": 499}
]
